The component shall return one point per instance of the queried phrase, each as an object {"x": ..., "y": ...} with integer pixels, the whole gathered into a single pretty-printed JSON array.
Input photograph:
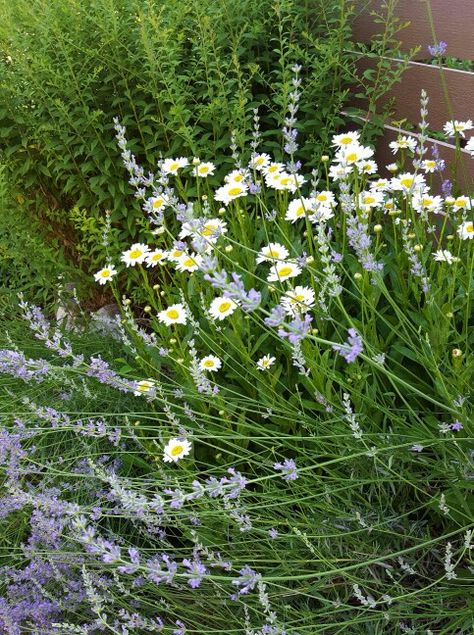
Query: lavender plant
[{"x": 284, "y": 444}]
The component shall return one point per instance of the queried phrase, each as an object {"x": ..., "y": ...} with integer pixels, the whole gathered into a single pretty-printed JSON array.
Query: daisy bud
[
  {"x": 314, "y": 331},
  {"x": 324, "y": 158},
  {"x": 127, "y": 302},
  {"x": 180, "y": 360},
  {"x": 357, "y": 276},
  {"x": 173, "y": 340},
  {"x": 221, "y": 413},
  {"x": 137, "y": 358},
  {"x": 204, "y": 197},
  {"x": 418, "y": 248},
  {"x": 449, "y": 314},
  {"x": 196, "y": 161},
  {"x": 309, "y": 260},
  {"x": 221, "y": 211},
  {"x": 162, "y": 294},
  {"x": 147, "y": 309},
  {"x": 378, "y": 229},
  {"x": 449, "y": 200},
  {"x": 450, "y": 237},
  {"x": 305, "y": 234},
  {"x": 394, "y": 212},
  {"x": 156, "y": 287},
  {"x": 411, "y": 235},
  {"x": 228, "y": 249},
  {"x": 456, "y": 354},
  {"x": 158, "y": 231},
  {"x": 136, "y": 423},
  {"x": 392, "y": 167}
]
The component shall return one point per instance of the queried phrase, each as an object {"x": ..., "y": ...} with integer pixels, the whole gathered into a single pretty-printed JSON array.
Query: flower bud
[
  {"x": 204, "y": 197},
  {"x": 180, "y": 360},
  {"x": 228, "y": 249},
  {"x": 324, "y": 158},
  {"x": 221, "y": 413},
  {"x": 457, "y": 354},
  {"x": 450, "y": 237},
  {"x": 378, "y": 229},
  {"x": 309, "y": 260},
  {"x": 221, "y": 211},
  {"x": 158, "y": 231},
  {"x": 411, "y": 235},
  {"x": 196, "y": 161},
  {"x": 449, "y": 315},
  {"x": 173, "y": 340},
  {"x": 392, "y": 167},
  {"x": 156, "y": 287},
  {"x": 418, "y": 248},
  {"x": 147, "y": 309},
  {"x": 162, "y": 294},
  {"x": 127, "y": 302},
  {"x": 357, "y": 276}
]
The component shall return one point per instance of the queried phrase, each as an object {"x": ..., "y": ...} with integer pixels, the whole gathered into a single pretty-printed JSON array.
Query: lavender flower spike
[{"x": 351, "y": 349}]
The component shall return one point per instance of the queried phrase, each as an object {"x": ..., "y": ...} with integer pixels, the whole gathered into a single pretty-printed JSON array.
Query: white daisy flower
[
  {"x": 189, "y": 262},
  {"x": 222, "y": 307},
  {"x": 174, "y": 314},
  {"x": 204, "y": 169},
  {"x": 470, "y": 146},
  {"x": 427, "y": 203},
  {"x": 380, "y": 185},
  {"x": 175, "y": 449},
  {"x": 283, "y": 271},
  {"x": 346, "y": 139},
  {"x": 369, "y": 199},
  {"x": 351, "y": 154},
  {"x": 237, "y": 176},
  {"x": 105, "y": 274},
  {"x": 135, "y": 255},
  {"x": 298, "y": 208},
  {"x": 325, "y": 198},
  {"x": 259, "y": 162},
  {"x": 443, "y": 255},
  {"x": 284, "y": 181},
  {"x": 143, "y": 387},
  {"x": 230, "y": 191},
  {"x": 403, "y": 143},
  {"x": 171, "y": 166},
  {"x": 211, "y": 363},
  {"x": 272, "y": 252},
  {"x": 429, "y": 166},
  {"x": 273, "y": 168},
  {"x": 408, "y": 182},
  {"x": 175, "y": 254},
  {"x": 265, "y": 362},
  {"x": 337, "y": 172},
  {"x": 461, "y": 202},
  {"x": 466, "y": 230},
  {"x": 156, "y": 257},
  {"x": 159, "y": 202},
  {"x": 212, "y": 229},
  {"x": 369, "y": 167},
  {"x": 451, "y": 128},
  {"x": 298, "y": 300},
  {"x": 392, "y": 167}
]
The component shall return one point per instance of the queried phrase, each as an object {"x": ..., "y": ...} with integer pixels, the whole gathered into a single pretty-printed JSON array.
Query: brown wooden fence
[{"x": 450, "y": 91}]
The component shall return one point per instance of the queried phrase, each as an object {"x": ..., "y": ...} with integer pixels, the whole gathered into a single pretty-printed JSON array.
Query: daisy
[
  {"x": 159, "y": 202},
  {"x": 283, "y": 271},
  {"x": 326, "y": 198},
  {"x": 230, "y": 191},
  {"x": 211, "y": 363},
  {"x": 451, "y": 128},
  {"x": 259, "y": 162},
  {"x": 429, "y": 166},
  {"x": 403, "y": 143},
  {"x": 346, "y": 139},
  {"x": 265, "y": 362},
  {"x": 175, "y": 254},
  {"x": 369, "y": 167},
  {"x": 461, "y": 202},
  {"x": 427, "y": 203},
  {"x": 222, "y": 307},
  {"x": 174, "y": 314},
  {"x": 204, "y": 169},
  {"x": 212, "y": 229},
  {"x": 351, "y": 154},
  {"x": 273, "y": 168},
  {"x": 271, "y": 252},
  {"x": 236, "y": 176},
  {"x": 284, "y": 181},
  {"x": 407, "y": 182},
  {"x": 135, "y": 255},
  {"x": 298, "y": 300},
  {"x": 337, "y": 172},
  {"x": 392, "y": 167},
  {"x": 175, "y": 449},
  {"x": 466, "y": 230},
  {"x": 171, "y": 166},
  {"x": 105, "y": 274},
  {"x": 380, "y": 185},
  {"x": 470, "y": 146},
  {"x": 143, "y": 387},
  {"x": 370, "y": 199},
  {"x": 298, "y": 208},
  {"x": 156, "y": 257},
  {"x": 189, "y": 262},
  {"x": 443, "y": 255}
]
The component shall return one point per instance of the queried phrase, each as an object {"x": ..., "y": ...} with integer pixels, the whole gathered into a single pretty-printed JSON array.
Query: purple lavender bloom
[
  {"x": 288, "y": 469},
  {"x": 197, "y": 571},
  {"x": 254, "y": 188},
  {"x": 447, "y": 187},
  {"x": 437, "y": 50},
  {"x": 456, "y": 426},
  {"x": 235, "y": 485},
  {"x": 246, "y": 582},
  {"x": 273, "y": 533},
  {"x": 157, "y": 573},
  {"x": 297, "y": 329},
  {"x": 360, "y": 241},
  {"x": 276, "y": 317},
  {"x": 351, "y": 349},
  {"x": 181, "y": 630}
]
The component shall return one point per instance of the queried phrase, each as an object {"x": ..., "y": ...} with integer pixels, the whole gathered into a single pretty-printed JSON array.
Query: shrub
[{"x": 291, "y": 450}]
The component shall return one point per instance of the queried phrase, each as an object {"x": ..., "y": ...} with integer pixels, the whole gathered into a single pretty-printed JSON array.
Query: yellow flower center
[
  {"x": 273, "y": 253},
  {"x": 225, "y": 306},
  {"x": 157, "y": 257},
  {"x": 407, "y": 182},
  {"x": 367, "y": 166},
  {"x": 209, "y": 363},
  {"x": 105, "y": 273},
  {"x": 135, "y": 253},
  {"x": 177, "y": 253},
  {"x": 273, "y": 168},
  {"x": 259, "y": 161},
  {"x": 345, "y": 141},
  {"x": 426, "y": 202},
  {"x": 298, "y": 298},
  {"x": 322, "y": 197},
  {"x": 352, "y": 156},
  {"x": 285, "y": 180},
  {"x": 204, "y": 169},
  {"x": 209, "y": 230},
  {"x": 173, "y": 314},
  {"x": 460, "y": 202},
  {"x": 158, "y": 202},
  {"x": 470, "y": 228},
  {"x": 300, "y": 211},
  {"x": 430, "y": 164},
  {"x": 189, "y": 262},
  {"x": 235, "y": 191},
  {"x": 388, "y": 205},
  {"x": 285, "y": 271},
  {"x": 239, "y": 178},
  {"x": 176, "y": 450},
  {"x": 174, "y": 166},
  {"x": 368, "y": 200}
]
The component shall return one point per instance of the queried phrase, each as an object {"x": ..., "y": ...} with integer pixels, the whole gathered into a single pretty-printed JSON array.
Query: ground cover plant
[{"x": 276, "y": 436}]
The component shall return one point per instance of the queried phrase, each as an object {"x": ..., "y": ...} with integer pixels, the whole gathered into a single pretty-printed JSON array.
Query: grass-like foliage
[{"x": 279, "y": 438}]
